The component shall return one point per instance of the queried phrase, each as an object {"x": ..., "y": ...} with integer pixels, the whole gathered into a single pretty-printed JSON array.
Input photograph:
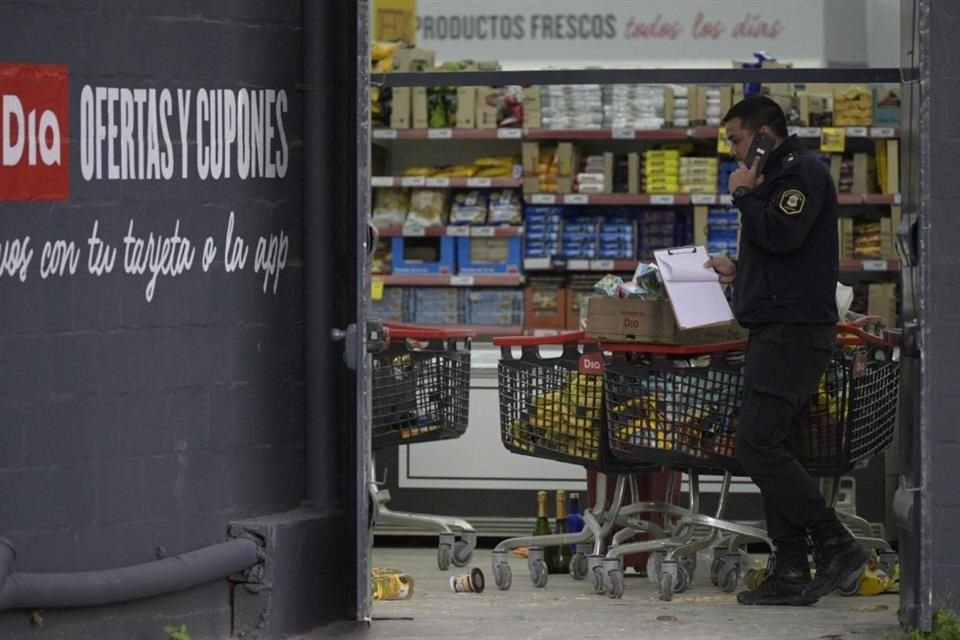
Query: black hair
[{"x": 757, "y": 111}]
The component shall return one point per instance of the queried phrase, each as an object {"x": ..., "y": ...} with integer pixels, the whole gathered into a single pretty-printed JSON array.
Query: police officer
[{"x": 784, "y": 293}]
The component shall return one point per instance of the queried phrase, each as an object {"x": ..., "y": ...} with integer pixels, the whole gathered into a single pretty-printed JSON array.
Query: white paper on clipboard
[{"x": 694, "y": 290}]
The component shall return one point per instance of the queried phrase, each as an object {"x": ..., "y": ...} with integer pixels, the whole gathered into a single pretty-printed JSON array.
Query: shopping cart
[
  {"x": 679, "y": 405},
  {"x": 552, "y": 407},
  {"x": 420, "y": 393}
]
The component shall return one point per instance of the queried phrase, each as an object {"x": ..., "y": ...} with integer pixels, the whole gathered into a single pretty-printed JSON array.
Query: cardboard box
[
  {"x": 423, "y": 255},
  {"x": 633, "y": 173},
  {"x": 532, "y": 108},
  {"x": 489, "y": 255},
  {"x": 845, "y": 233},
  {"x": 418, "y": 107},
  {"x": 567, "y": 159},
  {"x": 649, "y": 321},
  {"x": 565, "y": 184},
  {"x": 888, "y": 249},
  {"x": 466, "y": 107},
  {"x": 882, "y": 301},
  {"x": 531, "y": 184},
  {"x": 487, "y": 98},
  {"x": 530, "y": 154},
  {"x": 668, "y": 106},
  {"x": 864, "y": 174},
  {"x": 413, "y": 59},
  {"x": 400, "y": 102},
  {"x": 608, "y": 172},
  {"x": 545, "y": 304}
]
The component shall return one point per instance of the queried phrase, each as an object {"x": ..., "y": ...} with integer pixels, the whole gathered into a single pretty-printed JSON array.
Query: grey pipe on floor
[{"x": 111, "y": 586}]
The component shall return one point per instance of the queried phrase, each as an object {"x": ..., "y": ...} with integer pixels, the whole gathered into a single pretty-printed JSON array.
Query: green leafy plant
[
  {"x": 177, "y": 633},
  {"x": 946, "y": 626}
]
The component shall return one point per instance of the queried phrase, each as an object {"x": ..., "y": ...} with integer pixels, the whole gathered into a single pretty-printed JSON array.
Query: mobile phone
[{"x": 759, "y": 149}]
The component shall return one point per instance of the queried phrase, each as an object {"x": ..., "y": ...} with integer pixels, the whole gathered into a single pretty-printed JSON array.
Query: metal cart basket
[{"x": 420, "y": 393}]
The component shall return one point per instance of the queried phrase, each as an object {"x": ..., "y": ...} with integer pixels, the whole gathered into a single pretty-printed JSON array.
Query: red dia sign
[{"x": 33, "y": 132}]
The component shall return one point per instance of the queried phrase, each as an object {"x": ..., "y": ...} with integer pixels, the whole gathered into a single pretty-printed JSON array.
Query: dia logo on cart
[{"x": 592, "y": 364}]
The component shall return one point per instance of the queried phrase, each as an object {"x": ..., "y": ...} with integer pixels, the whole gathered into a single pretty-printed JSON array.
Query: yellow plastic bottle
[{"x": 387, "y": 585}]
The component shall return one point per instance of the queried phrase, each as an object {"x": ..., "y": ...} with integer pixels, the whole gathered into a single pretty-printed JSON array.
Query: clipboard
[{"x": 695, "y": 292}]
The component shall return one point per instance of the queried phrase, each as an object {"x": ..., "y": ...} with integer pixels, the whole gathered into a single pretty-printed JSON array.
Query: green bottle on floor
[
  {"x": 564, "y": 551},
  {"x": 542, "y": 528}
]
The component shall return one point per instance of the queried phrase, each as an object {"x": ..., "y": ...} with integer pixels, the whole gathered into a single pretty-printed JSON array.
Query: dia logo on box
[{"x": 34, "y": 132}]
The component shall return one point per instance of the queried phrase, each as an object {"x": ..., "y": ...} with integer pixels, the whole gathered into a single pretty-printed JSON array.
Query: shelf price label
[
  {"x": 874, "y": 265},
  {"x": 897, "y": 199},
  {"x": 381, "y": 181},
  {"x": 414, "y": 231},
  {"x": 662, "y": 199},
  {"x": 483, "y": 232},
  {"x": 458, "y": 230},
  {"x": 881, "y": 132},
  {"x": 462, "y": 281},
  {"x": 509, "y": 134},
  {"x": 385, "y": 134},
  {"x": 856, "y": 132},
  {"x": 543, "y": 198},
  {"x": 478, "y": 182},
  {"x": 376, "y": 288},
  {"x": 601, "y": 265},
  {"x": 412, "y": 181},
  {"x": 438, "y": 182},
  {"x": 726, "y": 198},
  {"x": 723, "y": 145},
  {"x": 576, "y": 198},
  {"x": 623, "y": 133},
  {"x": 703, "y": 198},
  {"x": 439, "y": 134},
  {"x": 833, "y": 139}
]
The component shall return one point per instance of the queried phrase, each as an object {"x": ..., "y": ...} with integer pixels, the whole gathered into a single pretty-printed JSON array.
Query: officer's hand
[
  {"x": 724, "y": 268},
  {"x": 746, "y": 177}
]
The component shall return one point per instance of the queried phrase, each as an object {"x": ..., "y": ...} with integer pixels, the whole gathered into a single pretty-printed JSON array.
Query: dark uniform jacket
[{"x": 788, "y": 258}]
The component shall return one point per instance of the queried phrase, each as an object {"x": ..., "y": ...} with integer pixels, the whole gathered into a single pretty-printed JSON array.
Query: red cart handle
[
  {"x": 534, "y": 341},
  {"x": 403, "y": 330}
]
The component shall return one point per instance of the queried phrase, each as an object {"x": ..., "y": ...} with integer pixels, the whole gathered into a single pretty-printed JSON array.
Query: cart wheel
[
  {"x": 462, "y": 553},
  {"x": 502, "y": 576},
  {"x": 653, "y": 566},
  {"x": 599, "y": 585},
  {"x": 715, "y": 571},
  {"x": 616, "y": 584},
  {"x": 689, "y": 563},
  {"x": 538, "y": 573},
  {"x": 728, "y": 577},
  {"x": 851, "y": 587},
  {"x": 578, "y": 566},
  {"x": 444, "y": 556},
  {"x": 682, "y": 581},
  {"x": 666, "y": 587}
]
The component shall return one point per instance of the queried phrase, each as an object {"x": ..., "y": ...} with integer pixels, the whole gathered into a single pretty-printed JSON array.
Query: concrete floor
[{"x": 566, "y": 608}]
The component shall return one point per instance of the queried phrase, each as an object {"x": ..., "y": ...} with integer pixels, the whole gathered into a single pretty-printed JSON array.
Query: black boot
[
  {"x": 788, "y": 576},
  {"x": 840, "y": 558}
]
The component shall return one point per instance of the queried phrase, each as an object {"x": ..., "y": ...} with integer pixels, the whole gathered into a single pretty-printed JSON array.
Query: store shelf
[
  {"x": 678, "y": 133},
  {"x": 445, "y": 183},
  {"x": 565, "y": 264},
  {"x": 453, "y": 230},
  {"x": 685, "y": 199},
  {"x": 624, "y": 266},
  {"x": 431, "y": 280},
  {"x": 870, "y": 266},
  {"x": 447, "y": 134}
]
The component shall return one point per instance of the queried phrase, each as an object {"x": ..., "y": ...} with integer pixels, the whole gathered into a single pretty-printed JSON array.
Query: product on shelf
[
  {"x": 543, "y": 226},
  {"x": 383, "y": 256},
  {"x": 438, "y": 305},
  {"x": 428, "y": 208},
  {"x": 853, "y": 106},
  {"x": 390, "y": 206},
  {"x": 393, "y": 305},
  {"x": 618, "y": 237},
  {"x": 698, "y": 175},
  {"x": 496, "y": 307},
  {"x": 489, "y": 255},
  {"x": 722, "y": 230},
  {"x": 571, "y": 106},
  {"x": 545, "y": 303},
  {"x": 867, "y": 240},
  {"x": 633, "y": 106},
  {"x": 468, "y": 207},
  {"x": 661, "y": 171},
  {"x": 505, "y": 207}
]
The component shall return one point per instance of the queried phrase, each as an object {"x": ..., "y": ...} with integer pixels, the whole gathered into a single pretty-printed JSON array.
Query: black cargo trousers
[{"x": 784, "y": 363}]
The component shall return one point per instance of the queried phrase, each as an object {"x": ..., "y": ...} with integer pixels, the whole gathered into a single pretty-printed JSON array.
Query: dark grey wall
[
  {"x": 126, "y": 424},
  {"x": 939, "y": 304}
]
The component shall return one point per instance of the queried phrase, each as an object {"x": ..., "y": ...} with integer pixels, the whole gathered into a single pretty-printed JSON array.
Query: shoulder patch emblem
[
  {"x": 790, "y": 160},
  {"x": 792, "y": 201}
]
